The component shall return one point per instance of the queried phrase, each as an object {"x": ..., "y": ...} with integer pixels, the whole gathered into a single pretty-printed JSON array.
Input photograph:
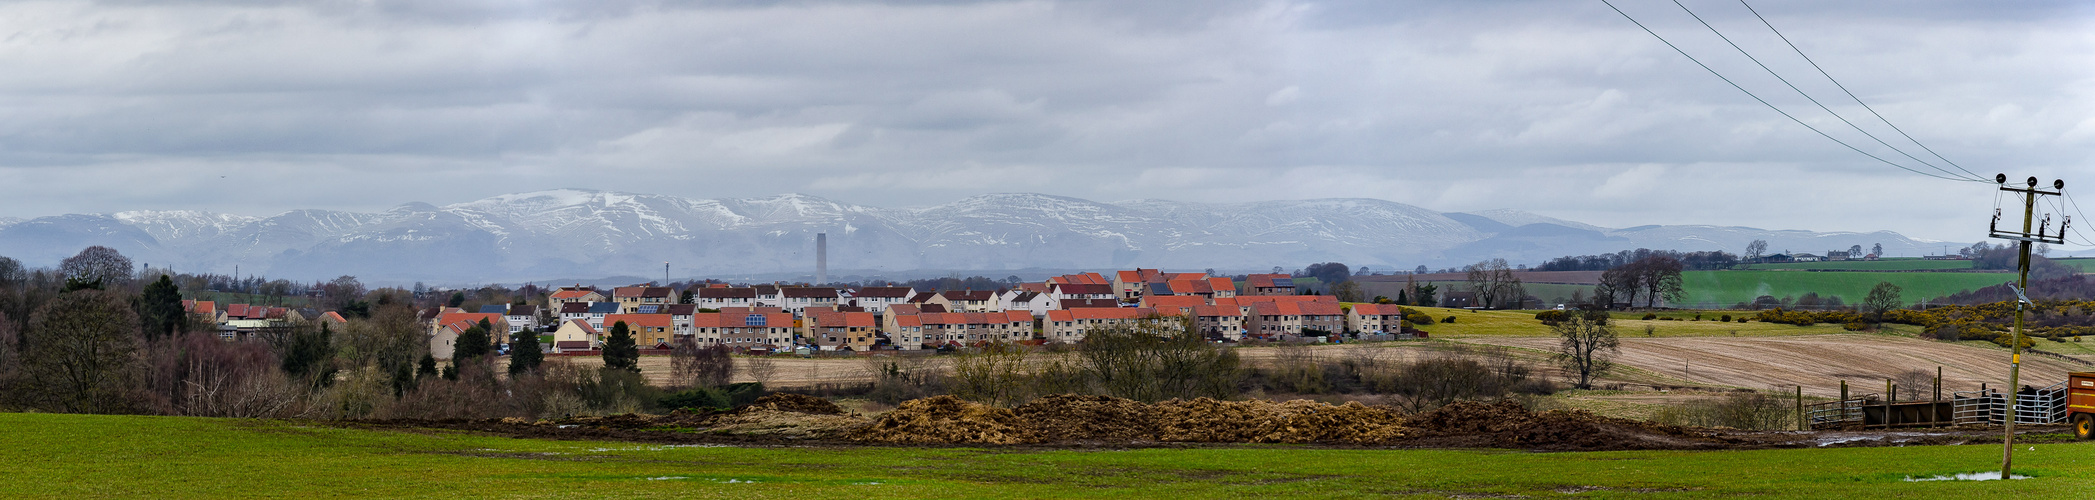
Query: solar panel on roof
[
  {"x": 1283, "y": 282},
  {"x": 1160, "y": 289},
  {"x": 494, "y": 309}
]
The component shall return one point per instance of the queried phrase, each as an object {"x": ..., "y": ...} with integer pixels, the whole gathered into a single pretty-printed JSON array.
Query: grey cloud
[{"x": 1560, "y": 108}]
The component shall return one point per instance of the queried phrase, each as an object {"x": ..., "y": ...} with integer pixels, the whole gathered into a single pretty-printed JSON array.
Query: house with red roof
[
  {"x": 576, "y": 336},
  {"x": 443, "y": 333},
  {"x": 1292, "y": 320},
  {"x": 745, "y": 328},
  {"x": 904, "y": 331},
  {"x": 1218, "y": 322},
  {"x": 571, "y": 294},
  {"x": 965, "y": 300},
  {"x": 648, "y": 329},
  {"x": 840, "y": 331},
  {"x": 1270, "y": 284},
  {"x": 1171, "y": 305}
]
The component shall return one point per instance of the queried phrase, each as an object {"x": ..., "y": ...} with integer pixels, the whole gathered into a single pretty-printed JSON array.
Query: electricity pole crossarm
[{"x": 2029, "y": 193}]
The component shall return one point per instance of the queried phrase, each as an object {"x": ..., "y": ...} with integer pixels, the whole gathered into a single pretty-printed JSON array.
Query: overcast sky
[{"x": 1562, "y": 108}]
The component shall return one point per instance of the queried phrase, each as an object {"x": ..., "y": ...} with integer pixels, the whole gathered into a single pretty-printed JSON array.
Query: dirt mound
[
  {"x": 1505, "y": 424},
  {"x": 786, "y": 424},
  {"x": 1211, "y": 421},
  {"x": 1070, "y": 417},
  {"x": 796, "y": 403},
  {"x": 947, "y": 419}
]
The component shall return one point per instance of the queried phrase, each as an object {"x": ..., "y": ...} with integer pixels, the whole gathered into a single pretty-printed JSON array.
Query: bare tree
[
  {"x": 81, "y": 351},
  {"x": 708, "y": 366},
  {"x": 1660, "y": 277},
  {"x": 1881, "y": 299},
  {"x": 1587, "y": 347},
  {"x": 1495, "y": 285},
  {"x": 98, "y": 263},
  {"x": 761, "y": 368},
  {"x": 1755, "y": 250},
  {"x": 995, "y": 374},
  {"x": 1155, "y": 360}
]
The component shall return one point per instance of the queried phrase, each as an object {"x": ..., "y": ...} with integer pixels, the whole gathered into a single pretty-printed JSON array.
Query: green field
[
  {"x": 2084, "y": 265},
  {"x": 1725, "y": 288},
  {"x": 80, "y": 456},
  {"x": 1860, "y": 265}
]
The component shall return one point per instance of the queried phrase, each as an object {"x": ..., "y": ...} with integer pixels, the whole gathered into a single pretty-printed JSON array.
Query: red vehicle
[{"x": 2080, "y": 403}]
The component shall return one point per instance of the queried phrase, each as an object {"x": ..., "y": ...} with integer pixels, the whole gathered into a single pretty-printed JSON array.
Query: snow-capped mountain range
[{"x": 579, "y": 233}]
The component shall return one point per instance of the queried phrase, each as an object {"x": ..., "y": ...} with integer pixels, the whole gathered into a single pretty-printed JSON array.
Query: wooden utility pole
[{"x": 2029, "y": 193}]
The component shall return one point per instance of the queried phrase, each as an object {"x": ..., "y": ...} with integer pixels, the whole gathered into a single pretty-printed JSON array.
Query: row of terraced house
[{"x": 785, "y": 317}]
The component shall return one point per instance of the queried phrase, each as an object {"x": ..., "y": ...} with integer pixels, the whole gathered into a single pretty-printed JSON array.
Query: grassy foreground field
[{"x": 167, "y": 457}]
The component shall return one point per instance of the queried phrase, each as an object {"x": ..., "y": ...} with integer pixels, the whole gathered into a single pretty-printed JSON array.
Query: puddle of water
[
  {"x": 666, "y": 478},
  {"x": 1968, "y": 476}
]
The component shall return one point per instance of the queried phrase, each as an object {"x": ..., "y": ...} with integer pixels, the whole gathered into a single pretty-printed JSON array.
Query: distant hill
[{"x": 571, "y": 233}]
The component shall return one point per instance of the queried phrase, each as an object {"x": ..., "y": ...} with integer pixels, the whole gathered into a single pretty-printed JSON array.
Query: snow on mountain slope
[{"x": 575, "y": 233}]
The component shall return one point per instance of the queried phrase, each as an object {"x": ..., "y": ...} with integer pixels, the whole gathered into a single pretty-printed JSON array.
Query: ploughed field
[{"x": 1817, "y": 362}]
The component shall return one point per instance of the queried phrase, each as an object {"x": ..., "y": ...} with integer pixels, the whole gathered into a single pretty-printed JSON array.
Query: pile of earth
[
  {"x": 1099, "y": 419},
  {"x": 1506, "y": 424}
]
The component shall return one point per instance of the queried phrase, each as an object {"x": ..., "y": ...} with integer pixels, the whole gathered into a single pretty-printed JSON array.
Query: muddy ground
[{"x": 1094, "y": 421}]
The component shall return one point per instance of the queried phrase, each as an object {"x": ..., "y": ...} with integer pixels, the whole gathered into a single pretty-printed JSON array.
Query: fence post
[
  {"x": 1802, "y": 424},
  {"x": 1843, "y": 400}
]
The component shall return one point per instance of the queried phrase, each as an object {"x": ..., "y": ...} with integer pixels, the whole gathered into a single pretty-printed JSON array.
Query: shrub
[
  {"x": 1650, "y": 316},
  {"x": 1551, "y": 317},
  {"x": 1449, "y": 319},
  {"x": 1855, "y": 326},
  {"x": 1726, "y": 318},
  {"x": 1742, "y": 319}
]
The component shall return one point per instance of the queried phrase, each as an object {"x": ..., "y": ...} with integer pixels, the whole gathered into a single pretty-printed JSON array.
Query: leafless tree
[
  {"x": 708, "y": 366},
  {"x": 1659, "y": 275},
  {"x": 1881, "y": 299},
  {"x": 99, "y": 263},
  {"x": 995, "y": 374},
  {"x": 1586, "y": 347},
  {"x": 1755, "y": 250},
  {"x": 761, "y": 368},
  {"x": 81, "y": 352}
]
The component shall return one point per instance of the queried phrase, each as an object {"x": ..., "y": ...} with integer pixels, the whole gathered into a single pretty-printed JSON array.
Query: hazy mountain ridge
[{"x": 563, "y": 233}]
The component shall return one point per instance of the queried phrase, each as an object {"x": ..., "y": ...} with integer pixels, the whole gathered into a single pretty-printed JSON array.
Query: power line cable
[
  {"x": 1808, "y": 97},
  {"x": 1851, "y": 95},
  {"x": 1764, "y": 102}
]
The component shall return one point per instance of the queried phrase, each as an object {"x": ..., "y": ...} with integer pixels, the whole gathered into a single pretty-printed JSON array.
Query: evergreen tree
[
  {"x": 309, "y": 352},
  {"x": 457, "y": 299},
  {"x": 524, "y": 355},
  {"x": 619, "y": 351},
  {"x": 160, "y": 308},
  {"x": 472, "y": 343},
  {"x": 427, "y": 368}
]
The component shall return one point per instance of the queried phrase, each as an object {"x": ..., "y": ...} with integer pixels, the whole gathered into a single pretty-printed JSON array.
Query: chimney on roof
[{"x": 821, "y": 258}]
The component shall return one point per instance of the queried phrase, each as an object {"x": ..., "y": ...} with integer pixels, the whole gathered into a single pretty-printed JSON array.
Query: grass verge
[{"x": 169, "y": 457}]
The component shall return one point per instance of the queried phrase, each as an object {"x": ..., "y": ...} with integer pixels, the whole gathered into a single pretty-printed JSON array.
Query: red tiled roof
[
  {"x": 571, "y": 294},
  {"x": 1217, "y": 311},
  {"x": 333, "y": 317},
  {"x": 1191, "y": 287},
  {"x": 1264, "y": 280},
  {"x": 1081, "y": 279},
  {"x": 908, "y": 320},
  {"x": 808, "y": 293},
  {"x": 638, "y": 320},
  {"x": 495, "y": 319},
  {"x": 1176, "y": 301},
  {"x": 585, "y": 326},
  {"x": 1220, "y": 284},
  {"x": 1100, "y": 313}
]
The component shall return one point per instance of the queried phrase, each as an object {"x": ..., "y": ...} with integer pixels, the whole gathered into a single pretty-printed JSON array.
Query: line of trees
[
  {"x": 1698, "y": 261},
  {"x": 1656, "y": 278},
  {"x": 1495, "y": 285}
]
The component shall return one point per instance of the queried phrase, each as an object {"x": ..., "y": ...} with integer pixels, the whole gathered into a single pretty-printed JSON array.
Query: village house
[
  {"x": 725, "y": 297},
  {"x": 1070, "y": 325},
  {"x": 444, "y": 331},
  {"x": 767, "y": 296},
  {"x": 838, "y": 331},
  {"x": 745, "y": 328},
  {"x": 905, "y": 331},
  {"x": 1218, "y": 322},
  {"x": 876, "y": 299},
  {"x": 680, "y": 317},
  {"x": 799, "y": 299},
  {"x": 1017, "y": 299},
  {"x": 573, "y": 311},
  {"x": 573, "y": 294},
  {"x": 1291, "y": 320},
  {"x": 1270, "y": 284},
  {"x": 1172, "y": 305},
  {"x": 1375, "y": 319},
  {"x": 523, "y": 318},
  {"x": 630, "y": 298},
  {"x": 965, "y": 300},
  {"x": 1063, "y": 292},
  {"x": 576, "y": 336},
  {"x": 647, "y": 329}
]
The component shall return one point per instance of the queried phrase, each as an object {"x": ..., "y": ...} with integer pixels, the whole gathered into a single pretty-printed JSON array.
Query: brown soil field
[
  {"x": 1817, "y": 362},
  {"x": 790, "y": 371}
]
